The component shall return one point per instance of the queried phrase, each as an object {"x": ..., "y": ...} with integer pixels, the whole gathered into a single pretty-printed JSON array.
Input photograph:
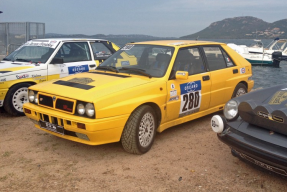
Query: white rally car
[{"x": 41, "y": 60}]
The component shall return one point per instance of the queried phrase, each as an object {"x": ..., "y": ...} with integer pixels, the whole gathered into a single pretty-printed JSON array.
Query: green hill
[{"x": 242, "y": 28}]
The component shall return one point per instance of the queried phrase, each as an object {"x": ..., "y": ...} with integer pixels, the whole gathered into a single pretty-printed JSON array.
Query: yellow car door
[
  {"x": 222, "y": 70},
  {"x": 189, "y": 89}
]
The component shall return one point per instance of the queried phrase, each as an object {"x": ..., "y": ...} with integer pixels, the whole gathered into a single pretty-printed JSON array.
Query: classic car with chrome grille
[
  {"x": 254, "y": 126},
  {"x": 143, "y": 88}
]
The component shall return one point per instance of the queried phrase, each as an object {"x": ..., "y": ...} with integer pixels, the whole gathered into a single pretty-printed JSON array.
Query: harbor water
[{"x": 263, "y": 76}]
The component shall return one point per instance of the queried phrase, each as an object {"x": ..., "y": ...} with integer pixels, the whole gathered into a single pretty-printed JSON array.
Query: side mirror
[
  {"x": 57, "y": 61},
  {"x": 183, "y": 75}
]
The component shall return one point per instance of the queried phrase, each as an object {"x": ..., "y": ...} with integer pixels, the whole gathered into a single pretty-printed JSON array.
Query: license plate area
[{"x": 52, "y": 127}]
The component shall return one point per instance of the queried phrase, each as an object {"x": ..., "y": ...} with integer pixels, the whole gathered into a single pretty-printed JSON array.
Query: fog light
[
  {"x": 82, "y": 136},
  {"x": 217, "y": 124}
]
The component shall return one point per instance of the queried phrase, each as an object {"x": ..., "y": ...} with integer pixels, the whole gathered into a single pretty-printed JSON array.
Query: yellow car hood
[{"x": 91, "y": 86}]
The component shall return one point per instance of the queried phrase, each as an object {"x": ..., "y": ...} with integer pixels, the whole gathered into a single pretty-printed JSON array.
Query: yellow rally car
[
  {"x": 143, "y": 88},
  {"x": 40, "y": 60}
]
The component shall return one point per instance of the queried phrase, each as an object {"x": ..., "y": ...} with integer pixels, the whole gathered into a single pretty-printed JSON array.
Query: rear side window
[
  {"x": 100, "y": 50},
  {"x": 217, "y": 58},
  {"x": 228, "y": 61}
]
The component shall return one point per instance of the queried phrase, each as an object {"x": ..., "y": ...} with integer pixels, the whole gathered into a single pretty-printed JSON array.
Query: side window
[
  {"x": 190, "y": 60},
  {"x": 74, "y": 52},
  {"x": 100, "y": 51},
  {"x": 228, "y": 60},
  {"x": 214, "y": 58}
]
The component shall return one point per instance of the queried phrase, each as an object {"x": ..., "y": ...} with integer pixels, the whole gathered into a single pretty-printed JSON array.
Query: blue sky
[{"x": 162, "y": 18}]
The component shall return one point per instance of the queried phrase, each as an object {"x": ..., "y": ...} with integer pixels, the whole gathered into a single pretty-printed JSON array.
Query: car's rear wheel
[
  {"x": 240, "y": 89},
  {"x": 15, "y": 98},
  {"x": 139, "y": 132}
]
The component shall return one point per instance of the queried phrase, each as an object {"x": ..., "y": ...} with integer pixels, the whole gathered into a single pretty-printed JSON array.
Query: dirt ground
[{"x": 188, "y": 157}]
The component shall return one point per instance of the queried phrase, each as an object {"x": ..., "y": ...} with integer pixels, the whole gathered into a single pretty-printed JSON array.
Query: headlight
[
  {"x": 81, "y": 109},
  {"x": 90, "y": 110},
  {"x": 36, "y": 98},
  {"x": 86, "y": 109},
  {"x": 231, "y": 110},
  {"x": 31, "y": 96}
]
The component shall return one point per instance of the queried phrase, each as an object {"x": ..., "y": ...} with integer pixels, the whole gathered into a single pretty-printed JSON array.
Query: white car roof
[{"x": 69, "y": 39}]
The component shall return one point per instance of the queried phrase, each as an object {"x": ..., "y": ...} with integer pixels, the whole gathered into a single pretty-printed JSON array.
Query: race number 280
[
  {"x": 190, "y": 95},
  {"x": 191, "y": 100}
]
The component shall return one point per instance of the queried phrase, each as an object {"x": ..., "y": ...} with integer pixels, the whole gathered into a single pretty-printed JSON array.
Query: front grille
[
  {"x": 45, "y": 100},
  {"x": 59, "y": 103},
  {"x": 64, "y": 105}
]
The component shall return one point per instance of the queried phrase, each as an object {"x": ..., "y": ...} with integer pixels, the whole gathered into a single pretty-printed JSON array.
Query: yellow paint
[{"x": 115, "y": 98}]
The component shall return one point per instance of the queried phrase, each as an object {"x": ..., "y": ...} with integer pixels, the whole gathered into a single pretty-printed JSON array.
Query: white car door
[{"x": 76, "y": 58}]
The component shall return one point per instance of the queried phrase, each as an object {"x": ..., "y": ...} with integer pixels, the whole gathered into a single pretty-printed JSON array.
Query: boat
[{"x": 256, "y": 54}]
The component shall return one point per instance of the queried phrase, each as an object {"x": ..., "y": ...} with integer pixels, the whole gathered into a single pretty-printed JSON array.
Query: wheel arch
[
  {"x": 156, "y": 109},
  {"x": 244, "y": 83},
  {"x": 29, "y": 82}
]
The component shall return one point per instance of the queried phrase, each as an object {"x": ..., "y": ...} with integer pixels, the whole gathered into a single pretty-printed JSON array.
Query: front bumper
[
  {"x": 3, "y": 93},
  {"x": 96, "y": 131},
  {"x": 256, "y": 145}
]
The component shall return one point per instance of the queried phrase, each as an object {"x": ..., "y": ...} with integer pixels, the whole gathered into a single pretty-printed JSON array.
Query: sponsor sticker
[
  {"x": 242, "y": 70},
  {"x": 173, "y": 93},
  {"x": 176, "y": 43},
  {"x": 51, "y": 44},
  {"x": 181, "y": 73},
  {"x": 278, "y": 98},
  {"x": 172, "y": 86},
  {"x": 127, "y": 47},
  {"x": 78, "y": 69},
  {"x": 22, "y": 76},
  {"x": 2, "y": 80},
  {"x": 174, "y": 98},
  {"x": 125, "y": 63},
  {"x": 190, "y": 95}
]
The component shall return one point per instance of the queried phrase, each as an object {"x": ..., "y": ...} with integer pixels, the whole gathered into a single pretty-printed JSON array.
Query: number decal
[
  {"x": 190, "y": 98},
  {"x": 185, "y": 99}
]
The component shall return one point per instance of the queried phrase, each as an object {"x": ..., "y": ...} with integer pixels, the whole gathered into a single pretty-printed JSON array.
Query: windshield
[
  {"x": 34, "y": 54},
  {"x": 147, "y": 60}
]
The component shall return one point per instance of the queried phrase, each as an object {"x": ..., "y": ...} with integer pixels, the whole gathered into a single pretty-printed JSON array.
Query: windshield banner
[{"x": 43, "y": 43}]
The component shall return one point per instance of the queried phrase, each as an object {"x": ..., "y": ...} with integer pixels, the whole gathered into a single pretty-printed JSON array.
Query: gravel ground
[{"x": 188, "y": 157}]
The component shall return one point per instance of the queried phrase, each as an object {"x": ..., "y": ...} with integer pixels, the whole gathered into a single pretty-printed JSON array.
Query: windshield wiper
[
  {"x": 24, "y": 60},
  {"x": 141, "y": 71},
  {"x": 6, "y": 59},
  {"x": 110, "y": 68}
]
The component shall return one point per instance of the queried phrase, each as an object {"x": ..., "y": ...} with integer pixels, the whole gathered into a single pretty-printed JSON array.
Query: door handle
[
  {"x": 205, "y": 78},
  {"x": 93, "y": 65},
  {"x": 235, "y": 71}
]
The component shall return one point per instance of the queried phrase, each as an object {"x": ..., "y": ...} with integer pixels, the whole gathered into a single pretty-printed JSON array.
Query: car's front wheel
[
  {"x": 139, "y": 132},
  {"x": 15, "y": 98}
]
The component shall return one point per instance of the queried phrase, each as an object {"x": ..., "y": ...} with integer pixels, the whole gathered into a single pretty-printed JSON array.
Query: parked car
[
  {"x": 142, "y": 88},
  {"x": 254, "y": 126},
  {"x": 41, "y": 60}
]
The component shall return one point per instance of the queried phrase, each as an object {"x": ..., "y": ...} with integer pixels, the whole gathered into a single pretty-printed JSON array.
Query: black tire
[
  {"x": 15, "y": 98},
  {"x": 234, "y": 153},
  {"x": 136, "y": 139},
  {"x": 240, "y": 89}
]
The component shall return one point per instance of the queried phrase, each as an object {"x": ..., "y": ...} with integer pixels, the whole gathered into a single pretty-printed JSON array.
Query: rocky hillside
[{"x": 242, "y": 28}]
